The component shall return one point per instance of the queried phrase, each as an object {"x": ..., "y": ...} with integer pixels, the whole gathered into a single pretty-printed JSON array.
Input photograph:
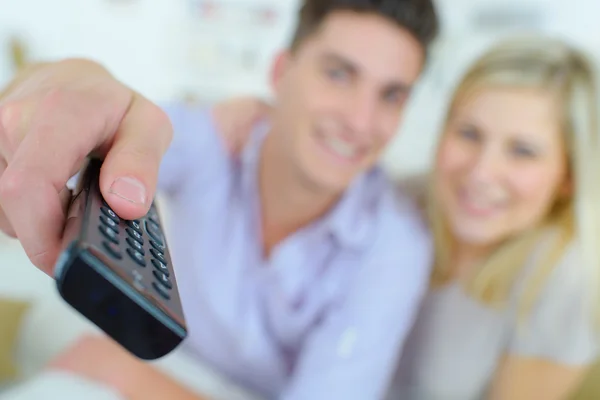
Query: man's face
[{"x": 341, "y": 94}]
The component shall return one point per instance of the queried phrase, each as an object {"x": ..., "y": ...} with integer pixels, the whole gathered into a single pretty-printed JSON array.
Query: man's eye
[{"x": 337, "y": 74}]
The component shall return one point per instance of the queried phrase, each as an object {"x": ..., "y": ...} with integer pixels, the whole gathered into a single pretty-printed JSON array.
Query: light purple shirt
[{"x": 326, "y": 315}]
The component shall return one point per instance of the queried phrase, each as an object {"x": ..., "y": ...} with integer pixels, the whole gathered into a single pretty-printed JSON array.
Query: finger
[
  {"x": 130, "y": 170},
  {"x": 65, "y": 197},
  {"x": 5, "y": 225},
  {"x": 62, "y": 133},
  {"x": 14, "y": 118},
  {"x": 34, "y": 210}
]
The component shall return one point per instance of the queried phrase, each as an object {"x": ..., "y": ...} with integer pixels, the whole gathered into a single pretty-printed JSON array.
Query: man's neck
[{"x": 287, "y": 203}]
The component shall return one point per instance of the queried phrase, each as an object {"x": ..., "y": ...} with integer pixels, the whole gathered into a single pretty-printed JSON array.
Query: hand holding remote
[{"x": 52, "y": 116}]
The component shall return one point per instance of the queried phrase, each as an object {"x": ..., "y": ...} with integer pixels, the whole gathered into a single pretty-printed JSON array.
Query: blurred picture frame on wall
[{"x": 18, "y": 53}]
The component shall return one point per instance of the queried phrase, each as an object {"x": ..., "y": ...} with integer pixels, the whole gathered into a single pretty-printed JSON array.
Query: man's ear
[{"x": 280, "y": 66}]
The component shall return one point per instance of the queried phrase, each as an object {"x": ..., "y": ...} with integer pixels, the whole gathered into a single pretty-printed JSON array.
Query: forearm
[
  {"x": 148, "y": 383},
  {"x": 101, "y": 360},
  {"x": 523, "y": 378}
]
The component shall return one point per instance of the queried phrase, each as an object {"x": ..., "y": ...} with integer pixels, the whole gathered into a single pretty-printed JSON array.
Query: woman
[{"x": 514, "y": 211}]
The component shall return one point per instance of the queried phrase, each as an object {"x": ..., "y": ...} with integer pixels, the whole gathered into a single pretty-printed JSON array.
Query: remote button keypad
[
  {"x": 161, "y": 291},
  {"x": 135, "y": 225},
  {"x": 135, "y": 235},
  {"x": 157, "y": 246},
  {"x": 160, "y": 266},
  {"x": 163, "y": 279},
  {"x": 110, "y": 222},
  {"x": 152, "y": 215},
  {"x": 137, "y": 250},
  {"x": 158, "y": 255},
  {"x": 109, "y": 233},
  {"x": 136, "y": 245},
  {"x": 153, "y": 231},
  {"x": 112, "y": 249},
  {"x": 137, "y": 257},
  {"x": 110, "y": 214}
]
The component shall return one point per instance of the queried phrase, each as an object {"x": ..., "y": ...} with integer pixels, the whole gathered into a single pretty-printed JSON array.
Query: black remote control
[{"x": 118, "y": 273}]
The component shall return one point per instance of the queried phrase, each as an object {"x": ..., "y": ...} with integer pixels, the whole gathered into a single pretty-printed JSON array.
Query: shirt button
[{"x": 347, "y": 343}]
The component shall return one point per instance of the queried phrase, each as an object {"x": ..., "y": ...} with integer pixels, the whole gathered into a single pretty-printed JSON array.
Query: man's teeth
[{"x": 340, "y": 147}]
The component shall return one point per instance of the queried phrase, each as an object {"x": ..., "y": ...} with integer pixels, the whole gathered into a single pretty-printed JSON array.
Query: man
[{"x": 299, "y": 270}]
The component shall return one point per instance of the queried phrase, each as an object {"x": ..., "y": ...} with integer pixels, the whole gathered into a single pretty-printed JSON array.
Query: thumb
[{"x": 130, "y": 169}]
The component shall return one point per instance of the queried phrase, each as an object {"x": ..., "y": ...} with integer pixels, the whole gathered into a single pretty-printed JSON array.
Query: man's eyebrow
[
  {"x": 393, "y": 86},
  {"x": 334, "y": 58},
  {"x": 401, "y": 87}
]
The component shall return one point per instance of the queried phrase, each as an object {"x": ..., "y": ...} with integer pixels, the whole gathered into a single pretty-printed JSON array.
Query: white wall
[
  {"x": 153, "y": 45},
  {"x": 161, "y": 49}
]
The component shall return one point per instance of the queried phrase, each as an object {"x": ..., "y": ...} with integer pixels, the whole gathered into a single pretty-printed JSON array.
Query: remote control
[{"x": 118, "y": 273}]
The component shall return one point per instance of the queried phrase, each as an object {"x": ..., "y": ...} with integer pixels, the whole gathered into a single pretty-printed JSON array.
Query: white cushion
[
  {"x": 50, "y": 327},
  {"x": 60, "y": 385},
  {"x": 199, "y": 377}
]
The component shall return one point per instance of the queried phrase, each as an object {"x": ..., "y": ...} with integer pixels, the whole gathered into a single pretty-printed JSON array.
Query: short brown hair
[{"x": 416, "y": 16}]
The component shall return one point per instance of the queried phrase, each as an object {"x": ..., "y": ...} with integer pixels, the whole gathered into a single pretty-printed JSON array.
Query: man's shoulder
[
  {"x": 398, "y": 244},
  {"x": 189, "y": 115}
]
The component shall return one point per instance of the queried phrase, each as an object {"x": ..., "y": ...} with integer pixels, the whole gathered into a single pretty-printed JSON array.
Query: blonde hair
[{"x": 546, "y": 64}]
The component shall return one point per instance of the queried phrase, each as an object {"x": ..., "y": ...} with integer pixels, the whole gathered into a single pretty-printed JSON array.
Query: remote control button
[
  {"x": 110, "y": 214},
  {"x": 135, "y": 234},
  {"x": 137, "y": 276},
  {"x": 152, "y": 226},
  {"x": 109, "y": 222},
  {"x": 112, "y": 249},
  {"x": 136, "y": 256},
  {"x": 158, "y": 255},
  {"x": 157, "y": 246},
  {"x": 153, "y": 215},
  {"x": 136, "y": 245},
  {"x": 160, "y": 266},
  {"x": 109, "y": 233},
  {"x": 163, "y": 279},
  {"x": 154, "y": 232},
  {"x": 154, "y": 220},
  {"x": 161, "y": 291},
  {"x": 135, "y": 225}
]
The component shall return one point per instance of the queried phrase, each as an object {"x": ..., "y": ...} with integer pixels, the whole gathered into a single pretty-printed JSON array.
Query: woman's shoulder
[
  {"x": 562, "y": 264},
  {"x": 559, "y": 299}
]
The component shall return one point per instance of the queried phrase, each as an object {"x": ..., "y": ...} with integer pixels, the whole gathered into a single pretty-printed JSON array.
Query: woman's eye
[
  {"x": 523, "y": 151},
  {"x": 469, "y": 133}
]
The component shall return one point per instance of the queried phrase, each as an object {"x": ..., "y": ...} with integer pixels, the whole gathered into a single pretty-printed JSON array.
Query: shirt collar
[{"x": 348, "y": 222}]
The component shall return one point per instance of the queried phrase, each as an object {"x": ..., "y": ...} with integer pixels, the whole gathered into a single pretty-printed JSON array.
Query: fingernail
[{"x": 129, "y": 189}]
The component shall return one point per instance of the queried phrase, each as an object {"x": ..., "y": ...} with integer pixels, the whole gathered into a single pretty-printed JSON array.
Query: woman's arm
[
  {"x": 554, "y": 344},
  {"x": 523, "y": 378},
  {"x": 101, "y": 360},
  {"x": 236, "y": 117}
]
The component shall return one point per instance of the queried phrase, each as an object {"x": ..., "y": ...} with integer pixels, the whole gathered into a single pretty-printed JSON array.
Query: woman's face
[{"x": 501, "y": 164}]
